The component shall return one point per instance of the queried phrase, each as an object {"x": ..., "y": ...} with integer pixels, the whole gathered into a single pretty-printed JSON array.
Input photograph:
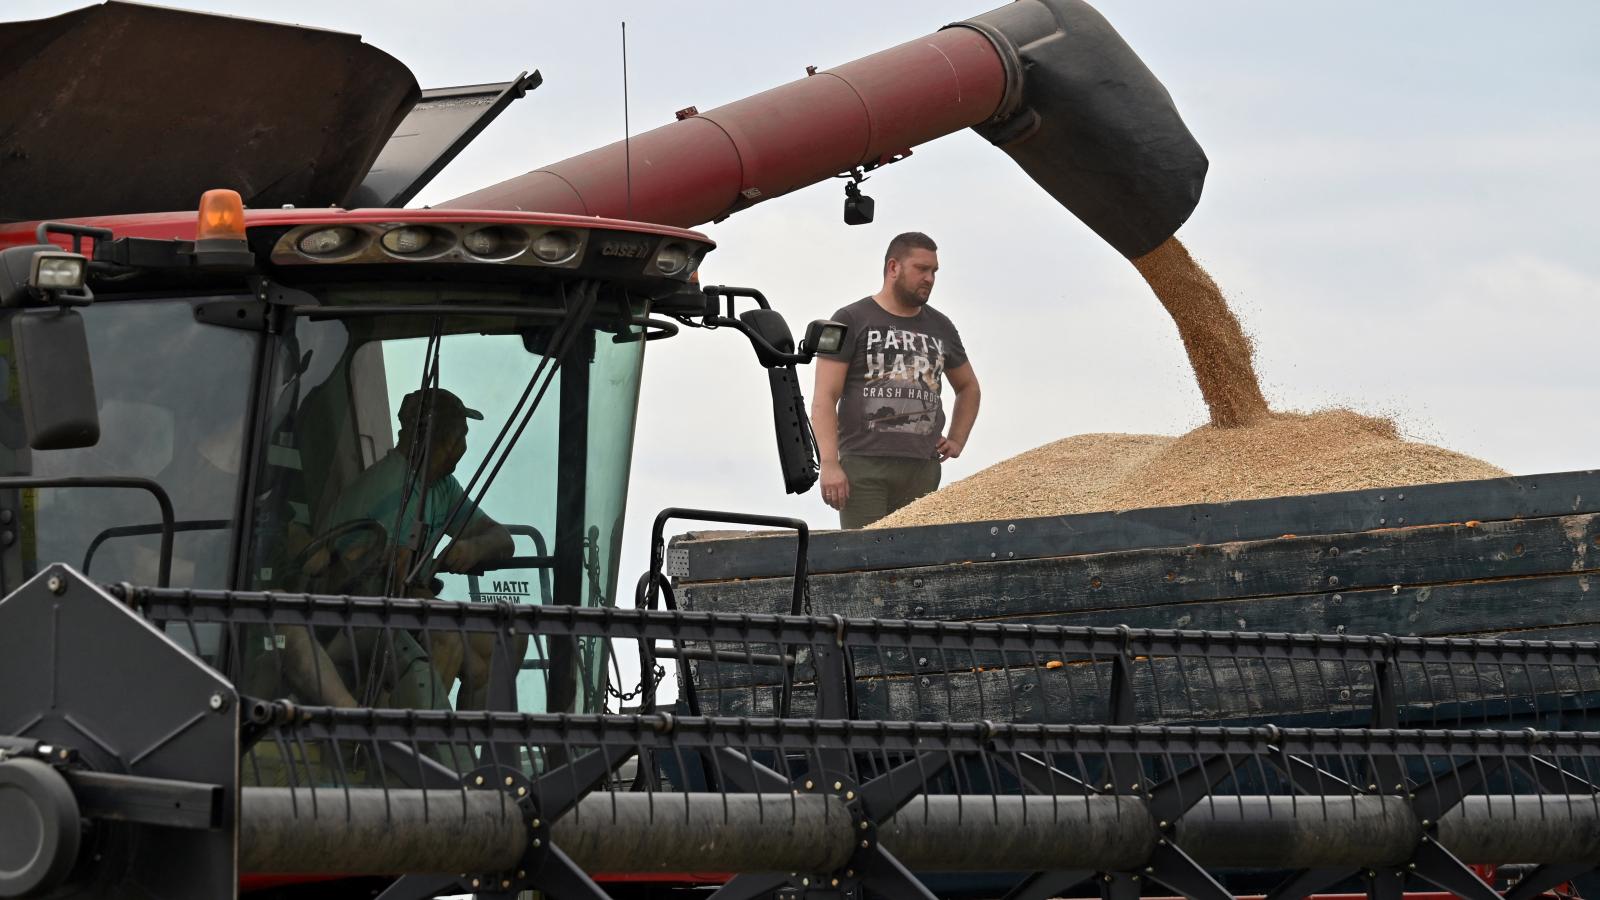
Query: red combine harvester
[{"x": 311, "y": 514}]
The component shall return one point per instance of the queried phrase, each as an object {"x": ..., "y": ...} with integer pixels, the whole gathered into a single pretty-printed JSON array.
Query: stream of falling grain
[{"x": 1220, "y": 353}]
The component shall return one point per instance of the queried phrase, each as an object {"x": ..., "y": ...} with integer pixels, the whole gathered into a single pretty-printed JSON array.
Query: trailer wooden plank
[
  {"x": 1248, "y": 520},
  {"x": 1108, "y": 583},
  {"x": 1461, "y": 609},
  {"x": 1585, "y": 631}
]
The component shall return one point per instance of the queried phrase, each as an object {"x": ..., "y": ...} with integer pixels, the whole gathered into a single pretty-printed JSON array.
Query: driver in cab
[
  {"x": 388, "y": 493},
  {"x": 377, "y": 533}
]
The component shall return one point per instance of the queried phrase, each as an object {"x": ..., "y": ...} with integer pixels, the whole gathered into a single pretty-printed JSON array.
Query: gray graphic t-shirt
[{"x": 891, "y": 404}]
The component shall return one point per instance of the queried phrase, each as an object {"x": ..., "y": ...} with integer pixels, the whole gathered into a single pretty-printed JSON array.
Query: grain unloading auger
[
  {"x": 796, "y": 792},
  {"x": 1049, "y": 82}
]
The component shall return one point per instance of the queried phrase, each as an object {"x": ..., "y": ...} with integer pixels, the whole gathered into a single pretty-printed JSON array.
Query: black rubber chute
[{"x": 1088, "y": 121}]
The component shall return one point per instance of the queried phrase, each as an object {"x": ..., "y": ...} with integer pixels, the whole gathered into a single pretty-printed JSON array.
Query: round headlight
[
  {"x": 672, "y": 259},
  {"x": 483, "y": 242},
  {"x": 555, "y": 246},
  {"x": 327, "y": 241},
  {"x": 407, "y": 240}
]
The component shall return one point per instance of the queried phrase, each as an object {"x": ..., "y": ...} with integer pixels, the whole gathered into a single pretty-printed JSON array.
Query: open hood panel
[
  {"x": 124, "y": 108},
  {"x": 440, "y": 126}
]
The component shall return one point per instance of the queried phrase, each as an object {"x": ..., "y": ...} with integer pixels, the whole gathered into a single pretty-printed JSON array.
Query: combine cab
[{"x": 430, "y": 406}]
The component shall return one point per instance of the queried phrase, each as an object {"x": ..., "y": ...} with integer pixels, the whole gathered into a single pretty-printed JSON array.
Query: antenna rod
[{"x": 627, "y": 149}]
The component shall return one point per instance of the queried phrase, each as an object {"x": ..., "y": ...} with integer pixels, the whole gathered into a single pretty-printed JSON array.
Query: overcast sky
[{"x": 1401, "y": 205}]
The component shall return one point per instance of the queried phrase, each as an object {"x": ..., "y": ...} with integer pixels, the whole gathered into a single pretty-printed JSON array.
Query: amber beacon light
[{"x": 221, "y": 216}]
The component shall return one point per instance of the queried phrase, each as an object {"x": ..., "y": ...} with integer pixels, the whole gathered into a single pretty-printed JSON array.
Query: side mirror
[
  {"x": 774, "y": 345},
  {"x": 769, "y": 325},
  {"x": 59, "y": 409},
  {"x": 797, "y": 447}
]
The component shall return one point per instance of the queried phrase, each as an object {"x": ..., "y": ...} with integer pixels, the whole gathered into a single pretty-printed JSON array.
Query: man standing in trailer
[{"x": 878, "y": 411}]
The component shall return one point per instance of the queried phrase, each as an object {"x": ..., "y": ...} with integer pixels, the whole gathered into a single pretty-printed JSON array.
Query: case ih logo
[{"x": 625, "y": 249}]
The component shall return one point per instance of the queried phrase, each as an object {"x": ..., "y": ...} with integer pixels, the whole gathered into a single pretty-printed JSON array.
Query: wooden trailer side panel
[
  {"x": 1502, "y": 558},
  {"x": 1524, "y": 497}
]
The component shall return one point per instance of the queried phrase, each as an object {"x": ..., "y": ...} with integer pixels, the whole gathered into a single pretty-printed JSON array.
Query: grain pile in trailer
[
  {"x": 1246, "y": 452},
  {"x": 1281, "y": 455}
]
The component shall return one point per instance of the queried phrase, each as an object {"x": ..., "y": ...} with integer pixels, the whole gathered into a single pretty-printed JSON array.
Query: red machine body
[
  {"x": 1049, "y": 82},
  {"x": 859, "y": 114}
]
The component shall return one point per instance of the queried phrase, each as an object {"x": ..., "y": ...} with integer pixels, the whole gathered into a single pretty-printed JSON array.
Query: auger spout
[{"x": 1050, "y": 82}]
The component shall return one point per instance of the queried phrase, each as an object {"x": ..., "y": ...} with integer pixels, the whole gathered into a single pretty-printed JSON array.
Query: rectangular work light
[{"x": 58, "y": 270}]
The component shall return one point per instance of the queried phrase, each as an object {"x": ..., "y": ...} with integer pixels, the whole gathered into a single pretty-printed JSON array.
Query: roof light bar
[{"x": 611, "y": 251}]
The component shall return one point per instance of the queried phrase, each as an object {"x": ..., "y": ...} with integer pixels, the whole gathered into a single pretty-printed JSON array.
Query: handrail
[
  {"x": 153, "y": 528},
  {"x": 653, "y": 580},
  {"x": 658, "y": 547},
  {"x": 541, "y": 560},
  {"x": 168, "y": 519}
]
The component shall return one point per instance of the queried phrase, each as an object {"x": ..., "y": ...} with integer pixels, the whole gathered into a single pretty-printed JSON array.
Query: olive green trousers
[{"x": 879, "y": 485}]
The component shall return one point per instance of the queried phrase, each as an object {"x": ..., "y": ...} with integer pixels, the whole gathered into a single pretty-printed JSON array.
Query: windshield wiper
[{"x": 573, "y": 323}]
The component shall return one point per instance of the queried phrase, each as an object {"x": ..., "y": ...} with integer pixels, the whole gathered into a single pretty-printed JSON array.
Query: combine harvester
[{"x": 215, "y": 678}]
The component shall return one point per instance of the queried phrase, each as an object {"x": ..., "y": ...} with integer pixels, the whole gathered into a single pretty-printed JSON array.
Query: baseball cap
[{"x": 446, "y": 407}]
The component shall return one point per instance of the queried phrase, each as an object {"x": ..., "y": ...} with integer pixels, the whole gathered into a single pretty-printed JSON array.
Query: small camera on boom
[{"x": 858, "y": 207}]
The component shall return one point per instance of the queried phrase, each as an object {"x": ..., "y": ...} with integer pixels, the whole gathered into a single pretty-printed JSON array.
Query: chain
[{"x": 655, "y": 679}]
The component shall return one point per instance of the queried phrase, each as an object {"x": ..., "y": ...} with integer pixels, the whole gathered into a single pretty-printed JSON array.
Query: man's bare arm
[
  {"x": 483, "y": 540},
  {"x": 493, "y": 535},
  {"x": 825, "y": 423},
  {"x": 968, "y": 397}
]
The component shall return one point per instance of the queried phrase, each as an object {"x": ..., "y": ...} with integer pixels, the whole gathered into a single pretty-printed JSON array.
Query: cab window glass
[
  {"x": 172, "y": 396},
  {"x": 353, "y": 500}
]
